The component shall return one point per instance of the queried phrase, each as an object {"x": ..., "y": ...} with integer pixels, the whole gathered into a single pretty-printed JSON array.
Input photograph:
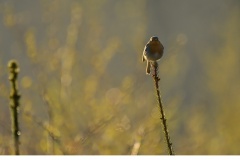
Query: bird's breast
[{"x": 156, "y": 49}]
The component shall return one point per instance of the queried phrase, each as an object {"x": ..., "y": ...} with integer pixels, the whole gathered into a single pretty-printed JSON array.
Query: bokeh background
[{"x": 84, "y": 88}]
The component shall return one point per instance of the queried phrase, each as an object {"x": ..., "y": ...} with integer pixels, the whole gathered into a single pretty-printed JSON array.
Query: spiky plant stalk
[
  {"x": 163, "y": 118},
  {"x": 14, "y": 104}
]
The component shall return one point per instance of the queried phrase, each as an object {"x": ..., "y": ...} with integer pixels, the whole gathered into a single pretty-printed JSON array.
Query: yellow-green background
[{"x": 82, "y": 79}]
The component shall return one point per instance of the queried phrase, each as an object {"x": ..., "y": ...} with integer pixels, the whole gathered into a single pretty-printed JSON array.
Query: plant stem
[
  {"x": 14, "y": 104},
  {"x": 45, "y": 127},
  {"x": 50, "y": 140},
  {"x": 164, "y": 120}
]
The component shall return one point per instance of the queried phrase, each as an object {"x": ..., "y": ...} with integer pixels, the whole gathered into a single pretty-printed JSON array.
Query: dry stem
[
  {"x": 164, "y": 120},
  {"x": 14, "y": 104}
]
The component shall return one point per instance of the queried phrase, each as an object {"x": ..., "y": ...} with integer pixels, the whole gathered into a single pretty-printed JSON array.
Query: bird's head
[{"x": 154, "y": 38}]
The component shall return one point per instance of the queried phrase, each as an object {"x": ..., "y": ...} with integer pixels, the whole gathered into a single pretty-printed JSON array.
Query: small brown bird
[{"x": 152, "y": 52}]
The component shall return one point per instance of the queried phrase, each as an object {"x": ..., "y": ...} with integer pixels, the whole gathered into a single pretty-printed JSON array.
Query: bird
[{"x": 153, "y": 51}]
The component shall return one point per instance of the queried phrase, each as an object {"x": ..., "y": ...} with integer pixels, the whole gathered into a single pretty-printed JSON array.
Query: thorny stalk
[
  {"x": 14, "y": 104},
  {"x": 163, "y": 118}
]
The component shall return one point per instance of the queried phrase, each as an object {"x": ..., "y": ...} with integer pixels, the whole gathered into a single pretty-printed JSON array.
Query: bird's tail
[{"x": 148, "y": 68}]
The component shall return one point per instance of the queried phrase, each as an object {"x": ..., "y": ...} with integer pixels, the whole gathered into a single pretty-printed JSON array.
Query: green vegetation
[{"x": 83, "y": 86}]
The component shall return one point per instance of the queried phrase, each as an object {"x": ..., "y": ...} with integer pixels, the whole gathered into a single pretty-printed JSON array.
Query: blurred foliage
[{"x": 84, "y": 88}]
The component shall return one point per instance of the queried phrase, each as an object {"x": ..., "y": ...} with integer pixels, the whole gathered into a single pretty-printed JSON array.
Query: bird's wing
[
  {"x": 145, "y": 51},
  {"x": 162, "y": 46}
]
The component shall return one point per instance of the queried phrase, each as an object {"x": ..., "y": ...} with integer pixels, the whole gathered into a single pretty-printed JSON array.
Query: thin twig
[
  {"x": 14, "y": 104},
  {"x": 164, "y": 120},
  {"x": 45, "y": 98},
  {"x": 91, "y": 132},
  {"x": 45, "y": 127}
]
